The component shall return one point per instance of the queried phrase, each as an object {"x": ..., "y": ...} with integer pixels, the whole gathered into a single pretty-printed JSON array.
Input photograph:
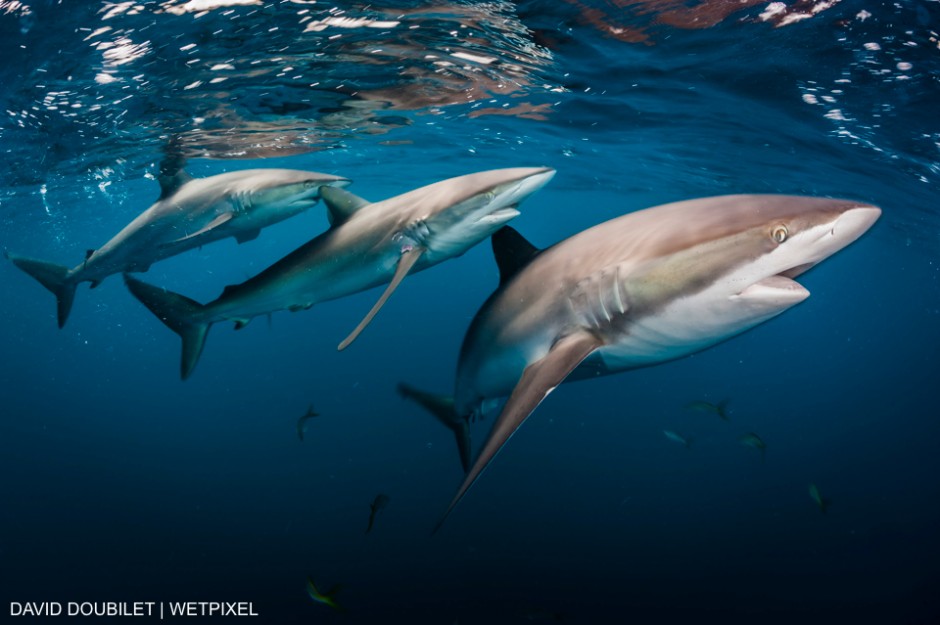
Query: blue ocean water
[{"x": 122, "y": 483}]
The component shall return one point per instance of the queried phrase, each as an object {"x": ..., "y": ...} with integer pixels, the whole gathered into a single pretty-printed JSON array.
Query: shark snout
[
  {"x": 311, "y": 191},
  {"x": 854, "y": 222},
  {"x": 527, "y": 181},
  {"x": 539, "y": 177}
]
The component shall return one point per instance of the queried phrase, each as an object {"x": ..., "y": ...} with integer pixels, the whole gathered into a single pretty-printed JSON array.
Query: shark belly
[
  {"x": 301, "y": 286},
  {"x": 681, "y": 327}
]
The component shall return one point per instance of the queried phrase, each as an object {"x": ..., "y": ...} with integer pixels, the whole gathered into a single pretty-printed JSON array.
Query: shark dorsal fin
[
  {"x": 229, "y": 289},
  {"x": 172, "y": 176},
  {"x": 171, "y": 184},
  {"x": 340, "y": 204},
  {"x": 512, "y": 252}
]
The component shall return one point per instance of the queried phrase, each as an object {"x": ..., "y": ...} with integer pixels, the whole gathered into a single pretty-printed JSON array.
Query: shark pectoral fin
[
  {"x": 405, "y": 263},
  {"x": 247, "y": 235},
  {"x": 537, "y": 381},
  {"x": 212, "y": 225},
  {"x": 340, "y": 204}
]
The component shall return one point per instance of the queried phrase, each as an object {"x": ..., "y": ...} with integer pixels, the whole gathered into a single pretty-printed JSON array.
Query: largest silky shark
[
  {"x": 189, "y": 213},
  {"x": 638, "y": 290},
  {"x": 367, "y": 245}
]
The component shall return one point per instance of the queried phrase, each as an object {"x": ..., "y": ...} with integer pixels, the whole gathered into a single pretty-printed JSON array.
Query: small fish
[
  {"x": 380, "y": 502},
  {"x": 753, "y": 440},
  {"x": 302, "y": 421},
  {"x": 328, "y": 598},
  {"x": 677, "y": 438},
  {"x": 720, "y": 409},
  {"x": 819, "y": 499}
]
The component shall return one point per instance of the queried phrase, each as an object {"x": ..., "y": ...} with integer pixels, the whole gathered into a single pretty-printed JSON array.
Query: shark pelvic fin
[
  {"x": 178, "y": 313},
  {"x": 54, "y": 277},
  {"x": 405, "y": 263},
  {"x": 537, "y": 381},
  {"x": 442, "y": 407},
  {"x": 340, "y": 204},
  {"x": 212, "y": 225},
  {"x": 512, "y": 252}
]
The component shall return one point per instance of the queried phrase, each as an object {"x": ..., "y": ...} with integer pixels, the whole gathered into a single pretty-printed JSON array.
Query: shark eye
[
  {"x": 309, "y": 184},
  {"x": 780, "y": 234}
]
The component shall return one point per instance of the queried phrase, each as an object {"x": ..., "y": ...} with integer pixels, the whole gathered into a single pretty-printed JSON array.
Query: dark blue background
[{"x": 119, "y": 482}]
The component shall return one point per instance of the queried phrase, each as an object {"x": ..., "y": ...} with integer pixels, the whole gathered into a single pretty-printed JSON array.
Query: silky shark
[
  {"x": 189, "y": 213},
  {"x": 367, "y": 245},
  {"x": 642, "y": 289}
]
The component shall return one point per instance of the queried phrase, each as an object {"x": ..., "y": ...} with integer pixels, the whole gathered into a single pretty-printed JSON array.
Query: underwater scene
[{"x": 282, "y": 279}]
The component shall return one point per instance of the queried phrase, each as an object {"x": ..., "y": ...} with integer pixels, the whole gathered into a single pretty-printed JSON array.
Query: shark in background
[
  {"x": 821, "y": 502},
  {"x": 379, "y": 503},
  {"x": 720, "y": 409},
  {"x": 642, "y": 289},
  {"x": 302, "y": 422},
  {"x": 367, "y": 245},
  {"x": 752, "y": 440},
  {"x": 675, "y": 437},
  {"x": 189, "y": 213}
]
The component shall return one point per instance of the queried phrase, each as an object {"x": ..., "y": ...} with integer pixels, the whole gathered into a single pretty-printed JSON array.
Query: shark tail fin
[
  {"x": 178, "y": 313},
  {"x": 54, "y": 277},
  {"x": 442, "y": 407}
]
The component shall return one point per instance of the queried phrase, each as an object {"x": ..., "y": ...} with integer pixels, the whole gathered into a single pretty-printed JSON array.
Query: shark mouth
[
  {"x": 500, "y": 216},
  {"x": 778, "y": 288},
  {"x": 798, "y": 270},
  {"x": 308, "y": 198}
]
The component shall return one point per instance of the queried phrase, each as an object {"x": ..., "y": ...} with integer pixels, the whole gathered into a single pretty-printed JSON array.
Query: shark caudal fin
[
  {"x": 442, "y": 407},
  {"x": 54, "y": 277},
  {"x": 178, "y": 313}
]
